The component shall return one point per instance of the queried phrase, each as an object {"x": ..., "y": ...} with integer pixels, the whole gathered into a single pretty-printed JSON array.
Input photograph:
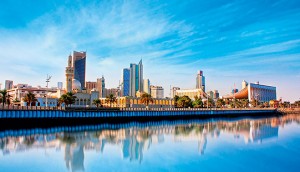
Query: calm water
[{"x": 265, "y": 144}]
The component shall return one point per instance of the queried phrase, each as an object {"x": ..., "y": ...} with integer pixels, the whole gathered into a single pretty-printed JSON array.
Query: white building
[{"x": 157, "y": 92}]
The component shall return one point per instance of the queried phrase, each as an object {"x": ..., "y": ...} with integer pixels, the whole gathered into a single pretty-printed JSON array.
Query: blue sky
[{"x": 230, "y": 41}]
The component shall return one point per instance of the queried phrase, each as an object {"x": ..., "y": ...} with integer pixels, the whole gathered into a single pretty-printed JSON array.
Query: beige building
[
  {"x": 126, "y": 102},
  {"x": 191, "y": 93},
  {"x": 90, "y": 85},
  {"x": 157, "y": 92}
]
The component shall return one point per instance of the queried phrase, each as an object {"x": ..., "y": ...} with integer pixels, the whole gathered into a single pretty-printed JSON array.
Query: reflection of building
[
  {"x": 157, "y": 92},
  {"x": 263, "y": 132},
  {"x": 200, "y": 81}
]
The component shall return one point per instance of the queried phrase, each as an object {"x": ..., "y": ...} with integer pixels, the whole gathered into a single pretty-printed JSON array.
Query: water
[{"x": 264, "y": 144}]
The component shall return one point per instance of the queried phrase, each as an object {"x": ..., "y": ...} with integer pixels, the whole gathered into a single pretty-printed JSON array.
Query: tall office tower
[
  {"x": 157, "y": 92},
  {"x": 200, "y": 81},
  {"x": 136, "y": 79},
  {"x": 125, "y": 82},
  {"x": 216, "y": 94},
  {"x": 69, "y": 74},
  {"x": 147, "y": 86},
  {"x": 79, "y": 65},
  {"x": 100, "y": 86},
  {"x": 8, "y": 84},
  {"x": 60, "y": 85}
]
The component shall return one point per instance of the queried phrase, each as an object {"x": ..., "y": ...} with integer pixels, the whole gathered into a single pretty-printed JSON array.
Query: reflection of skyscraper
[
  {"x": 263, "y": 132},
  {"x": 200, "y": 81},
  {"x": 136, "y": 79},
  {"x": 125, "y": 148},
  {"x": 126, "y": 82},
  {"x": 79, "y": 65},
  {"x": 202, "y": 143}
]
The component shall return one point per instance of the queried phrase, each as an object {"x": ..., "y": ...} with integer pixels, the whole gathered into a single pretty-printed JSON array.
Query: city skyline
[{"x": 230, "y": 42}]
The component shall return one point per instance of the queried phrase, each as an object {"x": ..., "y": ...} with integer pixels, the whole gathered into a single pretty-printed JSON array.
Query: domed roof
[{"x": 76, "y": 85}]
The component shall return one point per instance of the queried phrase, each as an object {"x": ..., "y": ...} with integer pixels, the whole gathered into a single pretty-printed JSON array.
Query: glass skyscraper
[
  {"x": 126, "y": 82},
  {"x": 200, "y": 81},
  {"x": 136, "y": 79},
  {"x": 79, "y": 64}
]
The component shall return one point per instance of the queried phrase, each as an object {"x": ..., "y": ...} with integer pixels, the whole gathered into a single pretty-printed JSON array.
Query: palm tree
[
  {"x": 146, "y": 99},
  {"x": 97, "y": 102},
  {"x": 67, "y": 98},
  {"x": 4, "y": 93},
  {"x": 220, "y": 102},
  {"x": 29, "y": 98},
  {"x": 110, "y": 99}
]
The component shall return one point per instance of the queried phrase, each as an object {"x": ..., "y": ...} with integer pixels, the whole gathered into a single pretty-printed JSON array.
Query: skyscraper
[
  {"x": 8, "y": 84},
  {"x": 200, "y": 81},
  {"x": 147, "y": 86},
  {"x": 79, "y": 65},
  {"x": 100, "y": 86},
  {"x": 126, "y": 82},
  {"x": 136, "y": 78}
]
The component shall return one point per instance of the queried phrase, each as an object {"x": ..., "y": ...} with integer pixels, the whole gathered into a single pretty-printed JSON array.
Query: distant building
[
  {"x": 79, "y": 66},
  {"x": 173, "y": 93},
  {"x": 147, "y": 86},
  {"x": 191, "y": 93},
  {"x": 244, "y": 84},
  {"x": 210, "y": 94},
  {"x": 216, "y": 94},
  {"x": 157, "y": 92},
  {"x": 100, "y": 86},
  {"x": 60, "y": 85},
  {"x": 125, "y": 82},
  {"x": 113, "y": 91},
  {"x": 8, "y": 84},
  {"x": 200, "y": 81},
  {"x": 234, "y": 91},
  {"x": 254, "y": 91},
  {"x": 136, "y": 78},
  {"x": 89, "y": 86}
]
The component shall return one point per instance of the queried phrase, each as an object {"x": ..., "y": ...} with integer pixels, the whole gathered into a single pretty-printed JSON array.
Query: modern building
[
  {"x": 79, "y": 65},
  {"x": 126, "y": 82},
  {"x": 216, "y": 94},
  {"x": 147, "y": 86},
  {"x": 8, "y": 84},
  {"x": 200, "y": 81},
  {"x": 136, "y": 78},
  {"x": 157, "y": 92},
  {"x": 210, "y": 94},
  {"x": 89, "y": 86},
  {"x": 60, "y": 85},
  {"x": 235, "y": 90},
  {"x": 255, "y": 91},
  {"x": 100, "y": 87},
  {"x": 191, "y": 93}
]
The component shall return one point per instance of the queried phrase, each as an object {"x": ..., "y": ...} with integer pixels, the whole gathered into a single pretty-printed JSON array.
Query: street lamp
[{"x": 47, "y": 81}]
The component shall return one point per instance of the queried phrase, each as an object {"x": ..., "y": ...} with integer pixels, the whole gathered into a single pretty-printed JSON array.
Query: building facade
[
  {"x": 136, "y": 78},
  {"x": 8, "y": 84},
  {"x": 174, "y": 89},
  {"x": 157, "y": 92},
  {"x": 125, "y": 82},
  {"x": 79, "y": 65},
  {"x": 60, "y": 85},
  {"x": 89, "y": 86},
  {"x": 133, "y": 102},
  {"x": 191, "y": 93},
  {"x": 147, "y": 86},
  {"x": 69, "y": 72},
  {"x": 200, "y": 81},
  {"x": 100, "y": 87}
]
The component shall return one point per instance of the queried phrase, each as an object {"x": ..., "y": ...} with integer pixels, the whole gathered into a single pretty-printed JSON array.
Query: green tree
[
  {"x": 68, "y": 99},
  {"x": 97, "y": 102},
  {"x": 110, "y": 99},
  {"x": 220, "y": 103},
  {"x": 4, "y": 96},
  {"x": 254, "y": 103},
  {"x": 29, "y": 98},
  {"x": 176, "y": 98},
  {"x": 146, "y": 99},
  {"x": 198, "y": 103},
  {"x": 184, "y": 102}
]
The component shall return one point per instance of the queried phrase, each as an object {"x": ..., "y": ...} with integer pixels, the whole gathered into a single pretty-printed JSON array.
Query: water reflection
[{"x": 133, "y": 141}]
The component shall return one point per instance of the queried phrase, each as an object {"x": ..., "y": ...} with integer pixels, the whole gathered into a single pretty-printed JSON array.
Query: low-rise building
[
  {"x": 133, "y": 102},
  {"x": 157, "y": 92}
]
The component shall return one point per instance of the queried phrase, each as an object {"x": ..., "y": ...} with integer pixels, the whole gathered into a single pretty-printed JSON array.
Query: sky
[{"x": 230, "y": 41}]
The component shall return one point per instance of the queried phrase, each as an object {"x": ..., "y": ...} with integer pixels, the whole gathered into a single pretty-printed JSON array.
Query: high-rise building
[
  {"x": 216, "y": 94},
  {"x": 200, "y": 81},
  {"x": 100, "y": 86},
  {"x": 69, "y": 74},
  {"x": 147, "y": 86},
  {"x": 79, "y": 65},
  {"x": 8, "y": 84},
  {"x": 136, "y": 79},
  {"x": 60, "y": 85},
  {"x": 125, "y": 82},
  {"x": 157, "y": 92}
]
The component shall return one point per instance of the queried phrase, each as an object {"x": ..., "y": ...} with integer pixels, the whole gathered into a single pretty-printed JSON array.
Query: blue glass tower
[
  {"x": 79, "y": 64},
  {"x": 126, "y": 82}
]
